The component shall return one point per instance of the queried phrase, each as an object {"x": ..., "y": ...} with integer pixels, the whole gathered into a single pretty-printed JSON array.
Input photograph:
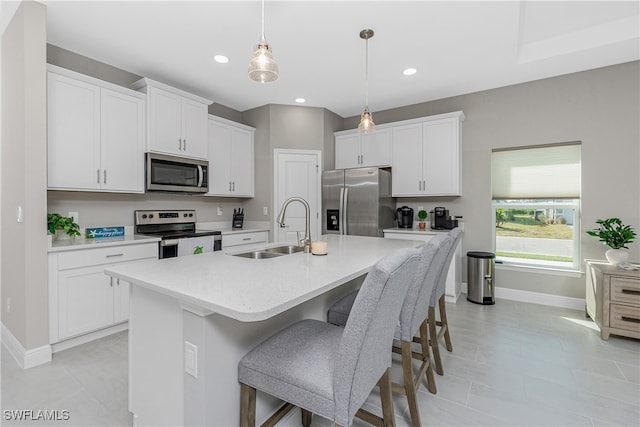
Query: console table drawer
[
  {"x": 624, "y": 317},
  {"x": 625, "y": 290}
]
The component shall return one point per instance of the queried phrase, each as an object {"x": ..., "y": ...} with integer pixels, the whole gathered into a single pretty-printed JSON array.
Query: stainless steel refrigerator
[{"x": 357, "y": 202}]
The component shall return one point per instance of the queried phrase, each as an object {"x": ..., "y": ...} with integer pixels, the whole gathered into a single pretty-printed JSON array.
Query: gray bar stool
[
  {"x": 329, "y": 370},
  {"x": 412, "y": 324},
  {"x": 439, "y": 328}
]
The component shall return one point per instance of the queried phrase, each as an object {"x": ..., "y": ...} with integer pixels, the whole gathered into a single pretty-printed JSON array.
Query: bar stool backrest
[{"x": 364, "y": 356}]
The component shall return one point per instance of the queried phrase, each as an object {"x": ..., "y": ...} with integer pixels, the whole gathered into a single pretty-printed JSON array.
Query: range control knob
[
  {"x": 144, "y": 216},
  {"x": 150, "y": 215}
]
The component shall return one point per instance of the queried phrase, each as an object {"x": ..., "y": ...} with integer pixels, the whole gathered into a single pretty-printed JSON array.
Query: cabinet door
[
  {"x": 122, "y": 142},
  {"x": 120, "y": 300},
  {"x": 194, "y": 129},
  {"x": 242, "y": 162},
  {"x": 165, "y": 121},
  {"x": 376, "y": 148},
  {"x": 73, "y": 133},
  {"x": 219, "y": 154},
  {"x": 407, "y": 155},
  {"x": 85, "y": 301},
  {"x": 442, "y": 158},
  {"x": 347, "y": 151}
]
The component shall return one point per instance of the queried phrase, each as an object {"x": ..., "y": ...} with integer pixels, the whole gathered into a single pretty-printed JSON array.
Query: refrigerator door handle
[
  {"x": 341, "y": 211},
  {"x": 345, "y": 214}
]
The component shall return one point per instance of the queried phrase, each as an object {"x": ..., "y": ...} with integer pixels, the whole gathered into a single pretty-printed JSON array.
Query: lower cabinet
[
  {"x": 454, "y": 275},
  {"x": 239, "y": 239},
  {"x": 82, "y": 298}
]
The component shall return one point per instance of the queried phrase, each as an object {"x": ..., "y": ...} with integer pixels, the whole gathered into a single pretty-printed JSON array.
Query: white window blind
[{"x": 546, "y": 172}]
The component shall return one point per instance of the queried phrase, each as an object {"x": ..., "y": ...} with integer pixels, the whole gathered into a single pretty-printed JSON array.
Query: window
[{"x": 536, "y": 206}]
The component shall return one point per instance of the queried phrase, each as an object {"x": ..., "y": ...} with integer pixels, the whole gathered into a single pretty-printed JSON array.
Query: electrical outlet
[
  {"x": 265, "y": 210},
  {"x": 219, "y": 210},
  {"x": 19, "y": 214},
  {"x": 75, "y": 217},
  {"x": 191, "y": 359}
]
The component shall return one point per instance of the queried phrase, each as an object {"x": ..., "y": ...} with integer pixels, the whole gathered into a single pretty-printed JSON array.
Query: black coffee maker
[
  {"x": 440, "y": 219},
  {"x": 404, "y": 216}
]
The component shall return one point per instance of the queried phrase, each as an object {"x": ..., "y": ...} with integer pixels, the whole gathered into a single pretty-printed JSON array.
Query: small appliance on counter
[
  {"x": 238, "y": 218},
  {"x": 441, "y": 220},
  {"x": 404, "y": 216}
]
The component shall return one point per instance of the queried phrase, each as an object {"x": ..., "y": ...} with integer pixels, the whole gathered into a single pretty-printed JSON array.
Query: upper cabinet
[
  {"x": 176, "y": 120},
  {"x": 426, "y": 156},
  {"x": 355, "y": 150},
  {"x": 230, "y": 158},
  {"x": 95, "y": 134}
]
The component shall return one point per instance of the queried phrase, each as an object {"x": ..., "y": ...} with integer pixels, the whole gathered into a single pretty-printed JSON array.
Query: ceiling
[{"x": 457, "y": 47}]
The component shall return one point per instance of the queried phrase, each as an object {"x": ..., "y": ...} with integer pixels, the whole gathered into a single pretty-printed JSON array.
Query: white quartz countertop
[
  {"x": 256, "y": 289},
  {"x": 414, "y": 230},
  {"x": 80, "y": 243}
]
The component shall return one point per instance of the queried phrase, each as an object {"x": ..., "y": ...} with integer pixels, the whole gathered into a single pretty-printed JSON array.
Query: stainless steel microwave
[{"x": 176, "y": 174}]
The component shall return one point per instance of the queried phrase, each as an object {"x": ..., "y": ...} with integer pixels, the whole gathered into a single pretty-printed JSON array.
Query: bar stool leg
[
  {"x": 247, "y": 406},
  {"x": 444, "y": 323},
  {"x": 433, "y": 340}
]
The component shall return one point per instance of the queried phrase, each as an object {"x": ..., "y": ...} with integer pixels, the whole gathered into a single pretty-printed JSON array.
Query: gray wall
[
  {"x": 23, "y": 180},
  {"x": 598, "y": 107},
  {"x": 285, "y": 127}
]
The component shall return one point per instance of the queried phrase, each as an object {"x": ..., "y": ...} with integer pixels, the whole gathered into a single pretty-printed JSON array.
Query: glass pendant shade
[
  {"x": 366, "y": 122},
  {"x": 262, "y": 67}
]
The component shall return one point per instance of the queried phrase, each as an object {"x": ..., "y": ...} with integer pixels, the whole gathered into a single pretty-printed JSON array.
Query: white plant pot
[{"x": 617, "y": 256}]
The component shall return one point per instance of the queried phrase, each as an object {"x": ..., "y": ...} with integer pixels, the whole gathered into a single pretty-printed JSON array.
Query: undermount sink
[
  {"x": 270, "y": 252},
  {"x": 285, "y": 250}
]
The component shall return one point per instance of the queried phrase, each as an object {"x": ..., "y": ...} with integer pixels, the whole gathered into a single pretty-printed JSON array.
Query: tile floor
[{"x": 513, "y": 364}]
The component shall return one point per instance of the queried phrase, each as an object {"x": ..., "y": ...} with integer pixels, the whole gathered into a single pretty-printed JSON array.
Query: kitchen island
[{"x": 193, "y": 318}]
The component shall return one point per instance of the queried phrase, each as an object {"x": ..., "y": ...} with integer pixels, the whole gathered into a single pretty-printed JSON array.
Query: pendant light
[
  {"x": 262, "y": 67},
  {"x": 366, "y": 120}
]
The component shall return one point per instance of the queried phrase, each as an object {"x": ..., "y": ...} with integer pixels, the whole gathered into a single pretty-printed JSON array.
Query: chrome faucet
[{"x": 306, "y": 241}]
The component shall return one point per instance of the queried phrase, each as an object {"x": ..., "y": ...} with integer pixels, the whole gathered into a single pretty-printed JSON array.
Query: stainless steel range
[{"x": 178, "y": 232}]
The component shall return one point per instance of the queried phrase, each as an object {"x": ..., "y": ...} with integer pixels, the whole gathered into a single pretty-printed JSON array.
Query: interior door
[{"x": 297, "y": 174}]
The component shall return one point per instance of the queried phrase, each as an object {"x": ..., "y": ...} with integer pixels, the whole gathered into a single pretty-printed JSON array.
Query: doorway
[{"x": 297, "y": 173}]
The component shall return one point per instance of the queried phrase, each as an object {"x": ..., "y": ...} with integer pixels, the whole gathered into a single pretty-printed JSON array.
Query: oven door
[{"x": 176, "y": 174}]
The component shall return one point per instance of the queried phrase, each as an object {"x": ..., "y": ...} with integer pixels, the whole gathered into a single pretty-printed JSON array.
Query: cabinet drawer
[
  {"x": 625, "y": 317},
  {"x": 89, "y": 257},
  {"x": 626, "y": 290},
  {"x": 244, "y": 239}
]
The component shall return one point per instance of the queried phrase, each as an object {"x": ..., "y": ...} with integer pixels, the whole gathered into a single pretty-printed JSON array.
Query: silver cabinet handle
[
  {"x": 234, "y": 186},
  {"x": 229, "y": 186},
  {"x": 98, "y": 175},
  {"x": 179, "y": 143},
  {"x": 424, "y": 185},
  {"x": 184, "y": 144},
  {"x": 419, "y": 185},
  {"x": 114, "y": 255},
  {"x": 247, "y": 238},
  {"x": 111, "y": 282},
  {"x": 104, "y": 176}
]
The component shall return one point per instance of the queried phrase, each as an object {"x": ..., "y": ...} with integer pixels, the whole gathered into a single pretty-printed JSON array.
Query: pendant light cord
[
  {"x": 263, "y": 37},
  {"x": 366, "y": 74}
]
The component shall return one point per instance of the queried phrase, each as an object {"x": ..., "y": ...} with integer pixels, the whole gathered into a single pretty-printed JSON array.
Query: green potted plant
[
  {"x": 57, "y": 223},
  {"x": 615, "y": 235},
  {"x": 422, "y": 216}
]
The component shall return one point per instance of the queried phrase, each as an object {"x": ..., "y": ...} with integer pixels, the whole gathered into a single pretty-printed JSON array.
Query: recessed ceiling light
[
  {"x": 221, "y": 59},
  {"x": 301, "y": 100},
  {"x": 409, "y": 71}
]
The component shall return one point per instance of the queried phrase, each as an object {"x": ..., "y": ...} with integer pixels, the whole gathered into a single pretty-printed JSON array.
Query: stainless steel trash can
[{"x": 480, "y": 268}]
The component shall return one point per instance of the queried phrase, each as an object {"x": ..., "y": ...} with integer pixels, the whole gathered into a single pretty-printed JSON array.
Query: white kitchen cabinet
[
  {"x": 355, "y": 150},
  {"x": 426, "y": 156},
  {"x": 245, "y": 238},
  {"x": 176, "y": 120},
  {"x": 82, "y": 298},
  {"x": 454, "y": 275},
  {"x": 231, "y": 163},
  {"x": 95, "y": 134}
]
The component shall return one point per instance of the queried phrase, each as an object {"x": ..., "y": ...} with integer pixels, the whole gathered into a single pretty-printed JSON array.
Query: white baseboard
[
  {"x": 536, "y": 298},
  {"x": 26, "y": 358}
]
